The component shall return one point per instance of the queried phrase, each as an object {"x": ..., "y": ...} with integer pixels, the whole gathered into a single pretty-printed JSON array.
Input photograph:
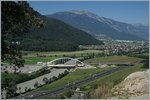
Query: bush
[
  {"x": 67, "y": 94},
  {"x": 102, "y": 91},
  {"x": 45, "y": 80},
  {"x": 36, "y": 84},
  {"x": 25, "y": 54},
  {"x": 54, "y": 78},
  {"x": 146, "y": 64}
]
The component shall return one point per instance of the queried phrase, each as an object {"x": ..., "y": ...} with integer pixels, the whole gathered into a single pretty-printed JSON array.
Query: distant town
[{"x": 120, "y": 46}]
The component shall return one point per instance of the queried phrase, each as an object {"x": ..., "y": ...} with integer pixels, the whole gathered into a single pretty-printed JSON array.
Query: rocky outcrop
[{"x": 135, "y": 86}]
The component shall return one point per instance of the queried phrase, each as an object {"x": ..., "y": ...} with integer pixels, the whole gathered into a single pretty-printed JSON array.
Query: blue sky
[{"x": 124, "y": 11}]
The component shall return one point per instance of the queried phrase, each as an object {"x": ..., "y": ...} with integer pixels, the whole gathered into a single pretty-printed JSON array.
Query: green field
[
  {"x": 113, "y": 59},
  {"x": 114, "y": 78},
  {"x": 60, "y": 53},
  {"x": 80, "y": 74},
  {"x": 77, "y": 75},
  {"x": 143, "y": 54},
  {"x": 31, "y": 57},
  {"x": 34, "y": 60}
]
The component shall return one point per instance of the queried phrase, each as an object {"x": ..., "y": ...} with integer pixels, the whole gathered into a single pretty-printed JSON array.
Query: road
[
  {"x": 30, "y": 84},
  {"x": 60, "y": 90}
]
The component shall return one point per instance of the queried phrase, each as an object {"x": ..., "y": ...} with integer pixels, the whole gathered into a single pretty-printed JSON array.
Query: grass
[
  {"x": 103, "y": 91},
  {"x": 8, "y": 77},
  {"x": 31, "y": 57},
  {"x": 114, "y": 78},
  {"x": 143, "y": 54},
  {"x": 77, "y": 75},
  {"x": 34, "y": 60},
  {"x": 60, "y": 53},
  {"x": 113, "y": 59},
  {"x": 80, "y": 74}
]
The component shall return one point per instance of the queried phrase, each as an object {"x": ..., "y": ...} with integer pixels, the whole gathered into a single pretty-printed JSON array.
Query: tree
[
  {"x": 19, "y": 90},
  {"x": 68, "y": 94},
  {"x": 36, "y": 84},
  {"x": 12, "y": 89},
  {"x": 50, "y": 80},
  {"x": 64, "y": 55},
  {"x": 60, "y": 75},
  {"x": 54, "y": 78},
  {"x": 66, "y": 72},
  {"x": 45, "y": 80},
  {"x": 26, "y": 89},
  {"x": 81, "y": 54},
  {"x": 17, "y": 18},
  {"x": 146, "y": 63}
]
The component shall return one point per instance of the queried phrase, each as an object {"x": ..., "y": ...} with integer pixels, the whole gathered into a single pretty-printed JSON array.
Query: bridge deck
[{"x": 63, "y": 65}]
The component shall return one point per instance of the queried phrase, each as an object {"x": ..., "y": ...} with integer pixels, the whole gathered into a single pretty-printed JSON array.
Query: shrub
[
  {"x": 45, "y": 80},
  {"x": 102, "y": 91},
  {"x": 36, "y": 84}
]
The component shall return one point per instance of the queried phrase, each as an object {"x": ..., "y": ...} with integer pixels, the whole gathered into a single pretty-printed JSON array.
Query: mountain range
[
  {"x": 65, "y": 31},
  {"x": 101, "y": 26}
]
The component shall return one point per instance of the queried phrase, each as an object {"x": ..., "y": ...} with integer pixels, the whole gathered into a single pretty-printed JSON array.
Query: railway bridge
[{"x": 65, "y": 62}]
